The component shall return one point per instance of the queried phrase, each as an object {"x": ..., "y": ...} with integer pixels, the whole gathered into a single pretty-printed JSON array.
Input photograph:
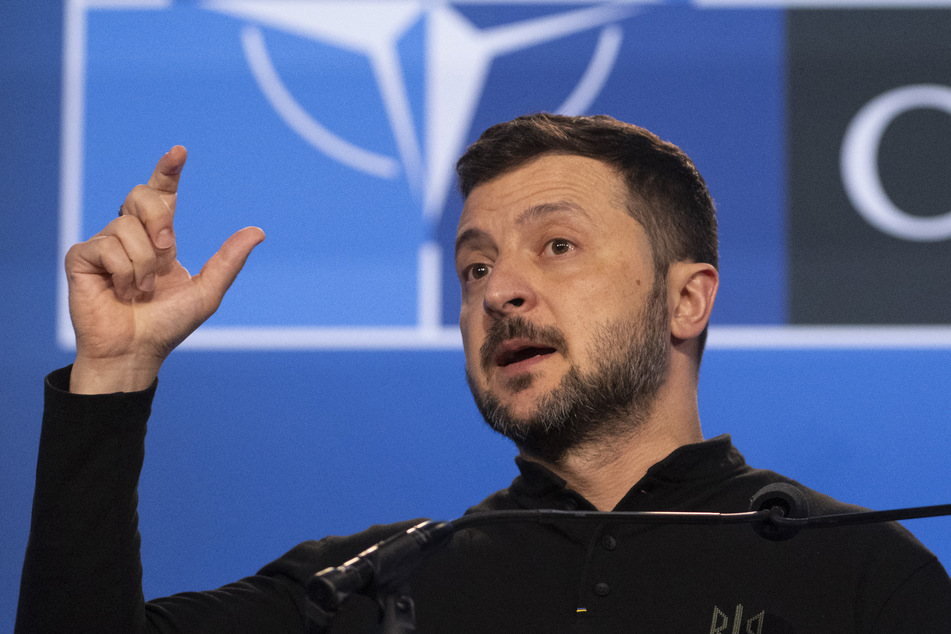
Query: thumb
[{"x": 223, "y": 267}]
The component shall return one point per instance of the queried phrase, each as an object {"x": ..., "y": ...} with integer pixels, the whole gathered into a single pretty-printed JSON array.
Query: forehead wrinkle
[
  {"x": 526, "y": 216},
  {"x": 542, "y": 210}
]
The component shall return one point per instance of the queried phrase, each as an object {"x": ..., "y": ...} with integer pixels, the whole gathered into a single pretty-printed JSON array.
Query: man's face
[{"x": 565, "y": 332}]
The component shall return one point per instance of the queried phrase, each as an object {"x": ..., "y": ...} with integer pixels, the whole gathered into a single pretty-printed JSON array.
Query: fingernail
[
  {"x": 165, "y": 239},
  {"x": 148, "y": 283}
]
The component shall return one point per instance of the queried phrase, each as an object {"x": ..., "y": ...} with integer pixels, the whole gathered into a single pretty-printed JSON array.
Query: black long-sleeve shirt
[{"x": 82, "y": 571}]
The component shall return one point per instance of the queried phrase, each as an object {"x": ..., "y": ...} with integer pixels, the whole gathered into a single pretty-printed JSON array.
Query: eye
[
  {"x": 476, "y": 271},
  {"x": 559, "y": 246}
]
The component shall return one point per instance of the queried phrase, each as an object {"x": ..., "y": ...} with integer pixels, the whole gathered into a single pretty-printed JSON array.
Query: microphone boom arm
[{"x": 779, "y": 511}]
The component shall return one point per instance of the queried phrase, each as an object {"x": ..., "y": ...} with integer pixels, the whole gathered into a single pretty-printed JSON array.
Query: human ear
[{"x": 692, "y": 288}]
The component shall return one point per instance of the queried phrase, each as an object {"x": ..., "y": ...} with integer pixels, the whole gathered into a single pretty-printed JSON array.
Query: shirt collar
[{"x": 686, "y": 468}]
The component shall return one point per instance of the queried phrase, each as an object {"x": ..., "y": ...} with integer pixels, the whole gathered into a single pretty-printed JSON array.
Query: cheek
[
  {"x": 620, "y": 287},
  {"x": 582, "y": 309},
  {"x": 470, "y": 340}
]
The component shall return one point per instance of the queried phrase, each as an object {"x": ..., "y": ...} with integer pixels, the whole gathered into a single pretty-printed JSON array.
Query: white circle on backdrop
[{"x": 859, "y": 162}]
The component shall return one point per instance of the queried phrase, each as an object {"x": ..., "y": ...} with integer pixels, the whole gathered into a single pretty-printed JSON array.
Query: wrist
[{"x": 107, "y": 376}]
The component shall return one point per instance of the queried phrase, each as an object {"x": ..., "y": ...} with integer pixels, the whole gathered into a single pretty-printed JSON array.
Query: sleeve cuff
[{"x": 63, "y": 405}]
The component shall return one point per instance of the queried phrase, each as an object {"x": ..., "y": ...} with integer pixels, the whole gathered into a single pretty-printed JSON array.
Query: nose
[{"x": 508, "y": 290}]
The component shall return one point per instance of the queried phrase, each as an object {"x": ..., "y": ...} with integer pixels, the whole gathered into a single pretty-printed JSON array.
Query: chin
[{"x": 521, "y": 409}]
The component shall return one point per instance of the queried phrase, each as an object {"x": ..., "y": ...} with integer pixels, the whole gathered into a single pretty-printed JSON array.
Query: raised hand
[{"x": 130, "y": 300}]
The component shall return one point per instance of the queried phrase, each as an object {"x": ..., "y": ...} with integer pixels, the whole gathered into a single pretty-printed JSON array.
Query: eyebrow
[
  {"x": 529, "y": 214},
  {"x": 472, "y": 234}
]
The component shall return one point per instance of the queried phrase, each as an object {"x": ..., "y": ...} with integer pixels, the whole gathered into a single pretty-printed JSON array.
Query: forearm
[{"x": 82, "y": 570}]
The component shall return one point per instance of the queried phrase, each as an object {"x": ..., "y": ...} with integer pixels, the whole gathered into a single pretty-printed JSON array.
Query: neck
[{"x": 604, "y": 470}]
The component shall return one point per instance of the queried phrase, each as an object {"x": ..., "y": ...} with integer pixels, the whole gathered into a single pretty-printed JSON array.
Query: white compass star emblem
[{"x": 458, "y": 57}]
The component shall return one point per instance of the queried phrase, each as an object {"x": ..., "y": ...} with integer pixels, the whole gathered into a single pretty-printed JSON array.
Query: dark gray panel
[{"x": 842, "y": 269}]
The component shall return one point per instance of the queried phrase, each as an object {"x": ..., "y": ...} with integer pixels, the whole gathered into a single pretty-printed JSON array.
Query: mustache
[{"x": 518, "y": 327}]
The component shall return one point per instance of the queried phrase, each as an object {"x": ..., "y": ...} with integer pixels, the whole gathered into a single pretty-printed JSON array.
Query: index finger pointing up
[{"x": 168, "y": 170}]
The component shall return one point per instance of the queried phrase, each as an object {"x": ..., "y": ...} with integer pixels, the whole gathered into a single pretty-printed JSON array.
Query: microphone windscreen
[{"x": 783, "y": 499}]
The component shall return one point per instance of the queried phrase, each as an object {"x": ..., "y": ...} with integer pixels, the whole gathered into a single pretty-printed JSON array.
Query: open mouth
[
  {"x": 513, "y": 346},
  {"x": 512, "y": 354}
]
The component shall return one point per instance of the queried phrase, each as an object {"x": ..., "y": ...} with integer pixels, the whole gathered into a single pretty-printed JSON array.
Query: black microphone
[
  {"x": 783, "y": 501},
  {"x": 787, "y": 512},
  {"x": 379, "y": 567}
]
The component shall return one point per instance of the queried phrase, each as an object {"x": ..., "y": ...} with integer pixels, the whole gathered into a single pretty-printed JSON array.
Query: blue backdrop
[{"x": 328, "y": 393}]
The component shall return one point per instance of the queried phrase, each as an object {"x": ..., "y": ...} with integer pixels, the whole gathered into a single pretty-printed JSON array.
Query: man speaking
[{"x": 587, "y": 257}]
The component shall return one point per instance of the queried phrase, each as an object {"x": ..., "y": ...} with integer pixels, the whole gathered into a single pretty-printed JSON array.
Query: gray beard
[{"x": 613, "y": 399}]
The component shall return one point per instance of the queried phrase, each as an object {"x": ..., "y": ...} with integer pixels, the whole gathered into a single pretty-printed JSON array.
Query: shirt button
[
  {"x": 571, "y": 504},
  {"x": 602, "y": 589},
  {"x": 609, "y": 542}
]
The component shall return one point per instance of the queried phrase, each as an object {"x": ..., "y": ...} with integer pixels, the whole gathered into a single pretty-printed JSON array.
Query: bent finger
[
  {"x": 138, "y": 249},
  {"x": 156, "y": 212},
  {"x": 103, "y": 256}
]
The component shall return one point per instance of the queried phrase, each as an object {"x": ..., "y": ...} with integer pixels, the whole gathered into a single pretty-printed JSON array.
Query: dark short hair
[{"x": 668, "y": 196}]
